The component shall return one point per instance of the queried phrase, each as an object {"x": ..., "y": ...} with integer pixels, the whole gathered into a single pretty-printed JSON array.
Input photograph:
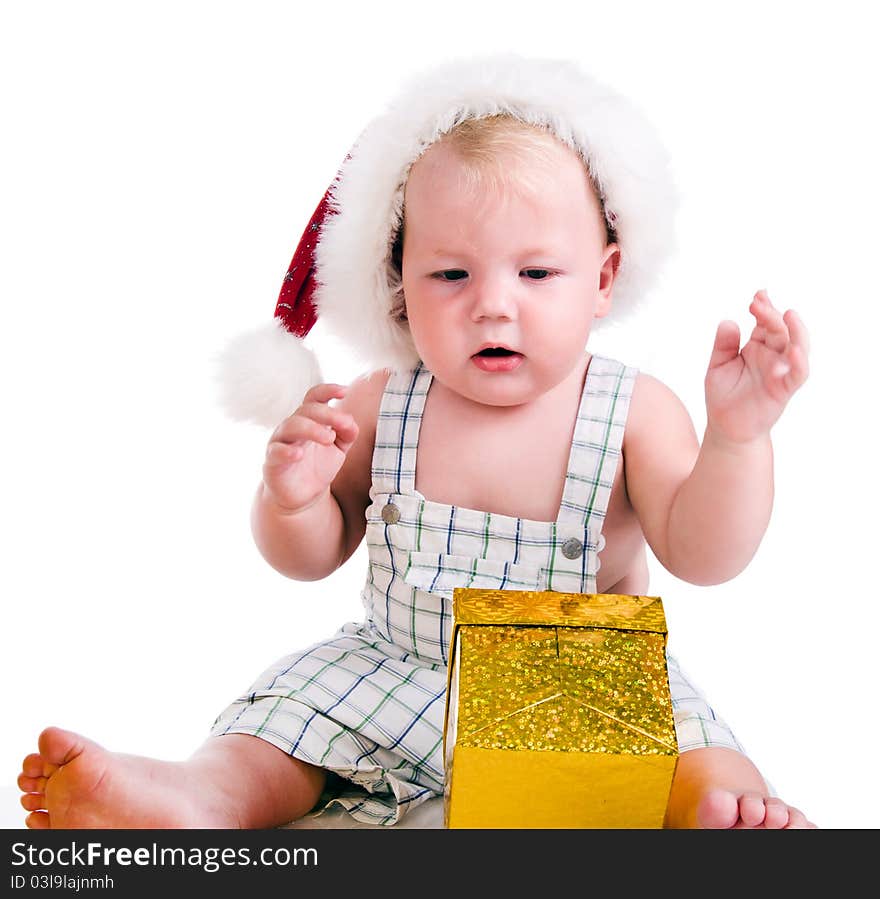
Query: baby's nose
[{"x": 492, "y": 299}]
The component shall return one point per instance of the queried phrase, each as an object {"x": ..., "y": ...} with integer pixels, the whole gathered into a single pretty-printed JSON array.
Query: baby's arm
[
  {"x": 705, "y": 508},
  {"x": 308, "y": 513}
]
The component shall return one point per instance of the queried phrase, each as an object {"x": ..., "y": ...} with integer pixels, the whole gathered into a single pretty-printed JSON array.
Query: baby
[{"x": 491, "y": 450}]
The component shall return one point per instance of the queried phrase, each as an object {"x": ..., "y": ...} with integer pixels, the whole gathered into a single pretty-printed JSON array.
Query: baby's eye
[
  {"x": 536, "y": 274},
  {"x": 451, "y": 274}
]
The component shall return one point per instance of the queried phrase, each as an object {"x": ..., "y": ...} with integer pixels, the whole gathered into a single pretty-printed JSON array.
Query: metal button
[
  {"x": 390, "y": 514},
  {"x": 572, "y": 548}
]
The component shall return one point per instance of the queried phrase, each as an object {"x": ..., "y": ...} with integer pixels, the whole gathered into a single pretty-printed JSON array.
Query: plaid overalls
[{"x": 368, "y": 704}]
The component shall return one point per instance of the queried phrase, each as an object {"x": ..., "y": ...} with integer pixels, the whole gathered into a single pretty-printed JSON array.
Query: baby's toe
[
  {"x": 776, "y": 814},
  {"x": 37, "y": 821},
  {"x": 33, "y": 802},
  {"x": 752, "y": 809},
  {"x": 29, "y": 784},
  {"x": 32, "y": 766},
  {"x": 797, "y": 820},
  {"x": 717, "y": 810}
]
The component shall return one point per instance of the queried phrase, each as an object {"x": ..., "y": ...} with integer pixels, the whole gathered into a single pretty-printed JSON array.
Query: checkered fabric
[{"x": 369, "y": 703}]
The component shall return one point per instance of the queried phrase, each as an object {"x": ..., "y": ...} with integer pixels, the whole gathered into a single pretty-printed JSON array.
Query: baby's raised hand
[
  {"x": 307, "y": 449},
  {"x": 747, "y": 389}
]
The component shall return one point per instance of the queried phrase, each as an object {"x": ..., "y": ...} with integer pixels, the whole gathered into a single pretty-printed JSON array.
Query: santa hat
[{"x": 342, "y": 271}]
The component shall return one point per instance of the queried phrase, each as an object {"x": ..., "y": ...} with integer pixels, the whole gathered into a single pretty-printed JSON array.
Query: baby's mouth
[
  {"x": 497, "y": 359},
  {"x": 497, "y": 351}
]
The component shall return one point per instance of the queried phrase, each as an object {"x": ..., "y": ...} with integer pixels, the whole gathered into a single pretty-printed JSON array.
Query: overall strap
[
  {"x": 397, "y": 430},
  {"x": 596, "y": 445}
]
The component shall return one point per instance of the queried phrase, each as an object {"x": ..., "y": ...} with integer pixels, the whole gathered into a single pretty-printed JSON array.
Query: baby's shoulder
[
  {"x": 654, "y": 408},
  {"x": 364, "y": 398},
  {"x": 366, "y": 390},
  {"x": 647, "y": 389}
]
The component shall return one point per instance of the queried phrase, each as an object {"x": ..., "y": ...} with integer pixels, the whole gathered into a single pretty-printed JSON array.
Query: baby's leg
[
  {"x": 231, "y": 781},
  {"x": 721, "y": 788}
]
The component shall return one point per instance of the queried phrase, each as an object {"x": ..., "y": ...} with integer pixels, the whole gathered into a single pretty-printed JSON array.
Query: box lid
[{"x": 607, "y": 610}]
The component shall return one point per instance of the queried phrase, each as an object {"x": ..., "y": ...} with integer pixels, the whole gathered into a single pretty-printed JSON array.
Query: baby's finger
[
  {"x": 280, "y": 455},
  {"x": 301, "y": 429},
  {"x": 770, "y": 329},
  {"x": 323, "y": 393},
  {"x": 797, "y": 330},
  {"x": 726, "y": 346},
  {"x": 346, "y": 429},
  {"x": 327, "y": 415},
  {"x": 798, "y": 368},
  {"x": 342, "y": 422}
]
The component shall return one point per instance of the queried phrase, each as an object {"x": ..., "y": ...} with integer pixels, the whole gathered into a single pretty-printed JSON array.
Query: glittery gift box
[{"x": 558, "y": 711}]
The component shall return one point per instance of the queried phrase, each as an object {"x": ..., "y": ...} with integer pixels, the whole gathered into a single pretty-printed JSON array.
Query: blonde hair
[{"x": 499, "y": 153}]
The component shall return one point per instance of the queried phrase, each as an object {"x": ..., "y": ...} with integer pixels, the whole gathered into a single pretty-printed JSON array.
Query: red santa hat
[{"x": 342, "y": 270}]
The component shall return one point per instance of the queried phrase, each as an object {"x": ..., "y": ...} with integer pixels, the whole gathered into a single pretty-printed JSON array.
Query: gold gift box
[{"x": 558, "y": 711}]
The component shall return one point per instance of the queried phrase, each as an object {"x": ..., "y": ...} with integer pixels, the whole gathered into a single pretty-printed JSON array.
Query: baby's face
[{"x": 502, "y": 286}]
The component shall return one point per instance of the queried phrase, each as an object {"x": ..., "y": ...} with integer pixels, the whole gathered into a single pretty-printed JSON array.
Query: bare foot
[
  {"x": 75, "y": 783},
  {"x": 721, "y": 809}
]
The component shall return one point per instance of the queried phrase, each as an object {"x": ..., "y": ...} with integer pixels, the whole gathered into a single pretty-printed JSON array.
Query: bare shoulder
[
  {"x": 364, "y": 397},
  {"x": 660, "y": 448},
  {"x": 660, "y": 443},
  {"x": 653, "y": 407}
]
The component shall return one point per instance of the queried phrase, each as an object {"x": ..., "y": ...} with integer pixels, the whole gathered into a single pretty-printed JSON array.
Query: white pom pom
[{"x": 263, "y": 375}]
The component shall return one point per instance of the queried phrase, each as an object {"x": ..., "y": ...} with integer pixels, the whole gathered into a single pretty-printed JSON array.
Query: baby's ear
[{"x": 607, "y": 276}]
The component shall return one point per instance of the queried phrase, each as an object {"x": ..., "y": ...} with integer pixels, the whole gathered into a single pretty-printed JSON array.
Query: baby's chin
[{"x": 499, "y": 390}]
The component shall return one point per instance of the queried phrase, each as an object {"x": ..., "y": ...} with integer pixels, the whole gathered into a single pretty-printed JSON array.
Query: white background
[{"x": 160, "y": 161}]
